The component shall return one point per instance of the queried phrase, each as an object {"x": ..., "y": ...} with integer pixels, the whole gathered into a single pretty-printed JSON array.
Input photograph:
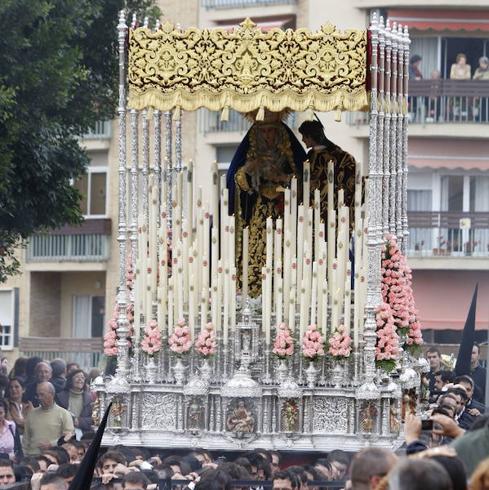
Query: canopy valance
[{"x": 247, "y": 69}]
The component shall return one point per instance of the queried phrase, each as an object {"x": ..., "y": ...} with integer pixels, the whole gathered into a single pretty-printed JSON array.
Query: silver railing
[
  {"x": 232, "y": 4},
  {"x": 80, "y": 248}
]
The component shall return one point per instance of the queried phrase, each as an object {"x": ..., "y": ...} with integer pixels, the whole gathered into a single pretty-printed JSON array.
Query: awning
[{"x": 441, "y": 20}]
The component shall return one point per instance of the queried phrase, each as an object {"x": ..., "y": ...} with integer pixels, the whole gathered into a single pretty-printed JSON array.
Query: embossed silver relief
[{"x": 323, "y": 421}]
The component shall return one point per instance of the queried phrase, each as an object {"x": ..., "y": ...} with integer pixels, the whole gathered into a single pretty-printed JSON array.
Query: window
[
  {"x": 88, "y": 316},
  {"x": 418, "y": 200},
  {"x": 7, "y": 318},
  {"x": 452, "y": 193},
  {"x": 93, "y": 189},
  {"x": 427, "y": 48}
]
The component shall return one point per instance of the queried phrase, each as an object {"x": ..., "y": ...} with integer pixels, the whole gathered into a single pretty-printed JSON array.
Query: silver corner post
[
  {"x": 405, "y": 231},
  {"x": 120, "y": 379}
]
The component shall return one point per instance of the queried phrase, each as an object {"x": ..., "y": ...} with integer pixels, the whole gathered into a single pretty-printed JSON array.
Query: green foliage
[{"x": 58, "y": 76}]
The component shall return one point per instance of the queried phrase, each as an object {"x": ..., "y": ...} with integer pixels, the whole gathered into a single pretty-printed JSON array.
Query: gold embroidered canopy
[{"x": 247, "y": 69}]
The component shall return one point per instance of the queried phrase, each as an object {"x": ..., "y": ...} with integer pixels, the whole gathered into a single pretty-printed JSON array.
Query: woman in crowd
[
  {"x": 482, "y": 72},
  {"x": 19, "y": 370},
  {"x": 7, "y": 432},
  {"x": 17, "y": 408},
  {"x": 77, "y": 399}
]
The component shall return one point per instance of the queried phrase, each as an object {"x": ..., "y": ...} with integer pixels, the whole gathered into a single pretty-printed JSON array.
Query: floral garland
[
  {"x": 283, "y": 346},
  {"x": 206, "y": 344},
  {"x": 151, "y": 343},
  {"x": 397, "y": 292},
  {"x": 180, "y": 341},
  {"x": 340, "y": 343},
  {"x": 312, "y": 343},
  {"x": 387, "y": 346}
]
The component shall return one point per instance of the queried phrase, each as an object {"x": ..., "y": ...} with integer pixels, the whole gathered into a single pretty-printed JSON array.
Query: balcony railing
[
  {"x": 85, "y": 352},
  {"x": 101, "y": 130},
  {"x": 61, "y": 248},
  {"x": 446, "y": 234},
  {"x": 442, "y": 102},
  {"x": 235, "y": 4},
  {"x": 210, "y": 122}
]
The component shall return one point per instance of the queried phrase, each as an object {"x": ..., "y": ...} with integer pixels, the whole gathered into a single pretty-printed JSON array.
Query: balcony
[
  {"x": 210, "y": 122},
  {"x": 447, "y": 234},
  {"x": 449, "y": 107},
  {"x": 86, "y": 352},
  {"x": 101, "y": 130},
  {"x": 235, "y": 4},
  {"x": 88, "y": 242}
]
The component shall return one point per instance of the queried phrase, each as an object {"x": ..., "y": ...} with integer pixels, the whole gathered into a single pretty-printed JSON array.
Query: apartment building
[{"x": 60, "y": 303}]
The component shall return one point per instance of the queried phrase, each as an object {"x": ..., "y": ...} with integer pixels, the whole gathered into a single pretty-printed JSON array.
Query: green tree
[{"x": 58, "y": 76}]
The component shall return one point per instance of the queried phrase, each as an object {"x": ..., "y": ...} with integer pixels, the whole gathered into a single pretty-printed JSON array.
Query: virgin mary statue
[{"x": 262, "y": 167}]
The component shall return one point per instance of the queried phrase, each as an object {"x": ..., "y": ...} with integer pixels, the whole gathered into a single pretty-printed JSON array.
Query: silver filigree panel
[
  {"x": 158, "y": 411},
  {"x": 323, "y": 420}
]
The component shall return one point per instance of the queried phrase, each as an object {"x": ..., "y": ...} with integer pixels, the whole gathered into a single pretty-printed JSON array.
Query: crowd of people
[{"x": 46, "y": 429}]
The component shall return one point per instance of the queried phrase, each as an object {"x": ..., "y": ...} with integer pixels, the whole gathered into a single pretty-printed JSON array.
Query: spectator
[
  {"x": 4, "y": 366},
  {"x": 433, "y": 356},
  {"x": 275, "y": 463},
  {"x": 77, "y": 400},
  {"x": 422, "y": 474},
  {"x": 478, "y": 374},
  {"x": 482, "y": 72},
  {"x": 108, "y": 463},
  {"x": 323, "y": 466},
  {"x": 369, "y": 466},
  {"x": 285, "y": 480},
  {"x": 7, "y": 475},
  {"x": 17, "y": 408},
  {"x": 19, "y": 370},
  {"x": 473, "y": 447},
  {"x": 46, "y": 424},
  {"x": 473, "y": 406},
  {"x": 72, "y": 366},
  {"x": 414, "y": 67},
  {"x": 67, "y": 471},
  {"x": 455, "y": 469},
  {"x": 52, "y": 481},
  {"x": 43, "y": 373},
  {"x": 339, "y": 461},
  {"x": 7, "y": 432},
  {"x": 30, "y": 369},
  {"x": 460, "y": 70},
  {"x": 135, "y": 481},
  {"x": 58, "y": 378}
]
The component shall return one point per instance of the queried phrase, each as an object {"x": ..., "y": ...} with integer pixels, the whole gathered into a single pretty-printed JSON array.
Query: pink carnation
[
  {"x": 312, "y": 343},
  {"x": 283, "y": 345},
  {"x": 180, "y": 341},
  {"x": 206, "y": 344}
]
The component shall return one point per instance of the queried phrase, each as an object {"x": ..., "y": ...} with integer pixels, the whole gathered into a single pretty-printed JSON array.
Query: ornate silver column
[
  {"x": 393, "y": 135},
  {"x": 374, "y": 210},
  {"x": 380, "y": 78},
  {"x": 145, "y": 170},
  {"x": 157, "y": 156},
  {"x": 400, "y": 132},
  {"x": 122, "y": 321},
  {"x": 134, "y": 116},
  {"x": 169, "y": 163},
  {"x": 387, "y": 126},
  {"x": 405, "y": 230}
]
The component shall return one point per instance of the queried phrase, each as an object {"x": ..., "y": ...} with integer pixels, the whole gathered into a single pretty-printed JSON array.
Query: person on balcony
[
  {"x": 414, "y": 67},
  {"x": 480, "y": 104},
  {"x": 460, "y": 70},
  {"x": 482, "y": 72}
]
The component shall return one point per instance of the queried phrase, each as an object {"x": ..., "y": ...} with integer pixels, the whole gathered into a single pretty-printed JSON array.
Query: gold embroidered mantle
[{"x": 247, "y": 69}]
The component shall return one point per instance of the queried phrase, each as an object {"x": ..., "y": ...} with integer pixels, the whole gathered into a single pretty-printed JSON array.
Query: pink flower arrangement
[
  {"x": 180, "y": 341},
  {"x": 111, "y": 337},
  {"x": 397, "y": 292},
  {"x": 151, "y": 343},
  {"x": 387, "y": 346},
  {"x": 340, "y": 343},
  {"x": 312, "y": 343},
  {"x": 206, "y": 344},
  {"x": 283, "y": 345}
]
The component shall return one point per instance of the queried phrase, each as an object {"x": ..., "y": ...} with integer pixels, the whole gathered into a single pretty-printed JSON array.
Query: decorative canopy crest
[{"x": 247, "y": 69}]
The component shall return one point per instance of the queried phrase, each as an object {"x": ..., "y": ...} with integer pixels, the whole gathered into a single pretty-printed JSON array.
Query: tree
[{"x": 58, "y": 76}]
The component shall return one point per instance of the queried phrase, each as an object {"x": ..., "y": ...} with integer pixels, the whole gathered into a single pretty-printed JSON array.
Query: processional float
[{"x": 319, "y": 359}]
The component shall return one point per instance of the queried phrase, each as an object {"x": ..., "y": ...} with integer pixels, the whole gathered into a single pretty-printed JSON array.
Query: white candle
[
  {"x": 330, "y": 187},
  {"x": 204, "y": 300},
  {"x": 233, "y": 298},
  {"x": 286, "y": 272},
  {"x": 331, "y": 245},
  {"x": 347, "y": 311},
  {"x": 220, "y": 285},
  {"x": 300, "y": 244},
  {"x": 269, "y": 242},
  {"x": 215, "y": 194},
  {"x": 268, "y": 311},
  {"x": 292, "y": 309},
  {"x": 293, "y": 217},
  {"x": 171, "y": 321},
  {"x": 314, "y": 293},
  {"x": 317, "y": 223},
  {"x": 303, "y": 308},
  {"x": 191, "y": 307},
  {"x": 324, "y": 305},
  {"x": 189, "y": 195},
  {"x": 137, "y": 300}
]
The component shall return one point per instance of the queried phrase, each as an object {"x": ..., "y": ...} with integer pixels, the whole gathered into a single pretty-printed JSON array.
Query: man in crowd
[
  {"x": 478, "y": 374},
  {"x": 369, "y": 466},
  {"x": 46, "y": 424},
  {"x": 135, "y": 481},
  {"x": 433, "y": 356},
  {"x": 422, "y": 474},
  {"x": 285, "y": 480},
  {"x": 52, "y": 481},
  {"x": 42, "y": 373},
  {"x": 7, "y": 475},
  {"x": 58, "y": 378},
  {"x": 472, "y": 406}
]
